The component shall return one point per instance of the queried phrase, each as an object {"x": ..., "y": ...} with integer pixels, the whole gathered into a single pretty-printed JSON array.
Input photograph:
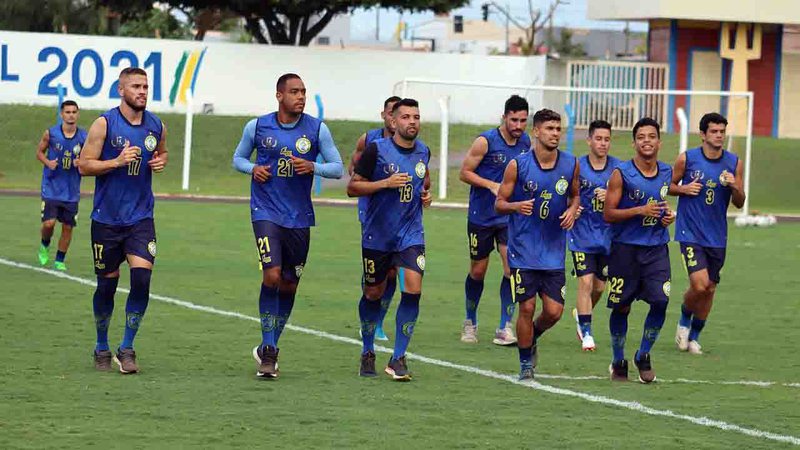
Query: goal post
[{"x": 478, "y": 103}]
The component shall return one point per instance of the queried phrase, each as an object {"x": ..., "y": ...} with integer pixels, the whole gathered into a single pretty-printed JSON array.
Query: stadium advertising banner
[{"x": 239, "y": 79}]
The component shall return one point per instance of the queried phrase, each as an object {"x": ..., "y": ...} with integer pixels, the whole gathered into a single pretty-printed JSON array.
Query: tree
[
  {"x": 297, "y": 22},
  {"x": 65, "y": 16},
  {"x": 538, "y": 19},
  {"x": 565, "y": 47}
]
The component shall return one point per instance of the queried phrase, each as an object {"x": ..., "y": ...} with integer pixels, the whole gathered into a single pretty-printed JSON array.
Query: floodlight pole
[
  {"x": 187, "y": 139},
  {"x": 444, "y": 105}
]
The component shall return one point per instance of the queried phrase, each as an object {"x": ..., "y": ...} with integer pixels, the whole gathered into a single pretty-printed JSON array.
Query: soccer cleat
[
  {"x": 380, "y": 335},
  {"x": 126, "y": 360},
  {"x": 579, "y": 332},
  {"x": 504, "y": 336},
  {"x": 618, "y": 370},
  {"x": 60, "y": 266},
  {"x": 267, "y": 359},
  {"x": 367, "y": 365},
  {"x": 102, "y": 360},
  {"x": 44, "y": 255},
  {"x": 469, "y": 334},
  {"x": 587, "y": 343},
  {"x": 646, "y": 372},
  {"x": 398, "y": 369},
  {"x": 695, "y": 348},
  {"x": 525, "y": 372},
  {"x": 682, "y": 338}
]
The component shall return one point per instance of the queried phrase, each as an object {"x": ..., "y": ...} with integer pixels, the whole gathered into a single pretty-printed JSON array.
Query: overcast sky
[{"x": 362, "y": 25}]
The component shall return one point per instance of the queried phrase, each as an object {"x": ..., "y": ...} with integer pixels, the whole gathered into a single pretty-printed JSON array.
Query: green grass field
[
  {"x": 215, "y": 137},
  {"x": 197, "y": 386}
]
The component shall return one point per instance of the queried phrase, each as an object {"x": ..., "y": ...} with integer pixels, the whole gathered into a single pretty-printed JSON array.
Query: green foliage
[
  {"x": 565, "y": 47},
  {"x": 154, "y": 23}
]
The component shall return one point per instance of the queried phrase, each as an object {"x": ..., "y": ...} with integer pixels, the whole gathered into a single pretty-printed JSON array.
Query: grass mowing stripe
[{"x": 633, "y": 406}]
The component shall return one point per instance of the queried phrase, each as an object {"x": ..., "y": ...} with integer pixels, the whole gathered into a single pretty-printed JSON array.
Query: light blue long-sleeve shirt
[{"x": 331, "y": 167}]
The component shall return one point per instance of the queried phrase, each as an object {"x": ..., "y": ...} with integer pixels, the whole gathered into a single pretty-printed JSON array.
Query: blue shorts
[
  {"x": 64, "y": 212},
  {"x": 590, "y": 264},
  {"x": 377, "y": 263},
  {"x": 111, "y": 243},
  {"x": 526, "y": 283},
  {"x": 638, "y": 273},
  {"x": 282, "y": 247},
  {"x": 482, "y": 240},
  {"x": 696, "y": 258}
]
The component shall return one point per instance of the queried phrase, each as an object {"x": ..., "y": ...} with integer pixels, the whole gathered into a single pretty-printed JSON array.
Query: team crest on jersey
[
  {"x": 390, "y": 168},
  {"x": 420, "y": 169},
  {"x": 636, "y": 194},
  {"x": 118, "y": 141},
  {"x": 561, "y": 186},
  {"x": 151, "y": 248},
  {"x": 664, "y": 191},
  {"x": 530, "y": 187},
  {"x": 76, "y": 150},
  {"x": 421, "y": 262},
  {"x": 269, "y": 142},
  {"x": 667, "y": 287},
  {"x": 303, "y": 145},
  {"x": 150, "y": 143},
  {"x": 697, "y": 174}
]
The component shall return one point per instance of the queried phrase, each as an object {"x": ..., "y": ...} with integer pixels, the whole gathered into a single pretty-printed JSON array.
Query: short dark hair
[
  {"x": 646, "y": 122},
  {"x": 410, "y": 102},
  {"x": 599, "y": 124},
  {"x": 391, "y": 99},
  {"x": 281, "y": 84},
  {"x": 515, "y": 103},
  {"x": 132, "y": 71},
  {"x": 712, "y": 118},
  {"x": 66, "y": 103},
  {"x": 545, "y": 115}
]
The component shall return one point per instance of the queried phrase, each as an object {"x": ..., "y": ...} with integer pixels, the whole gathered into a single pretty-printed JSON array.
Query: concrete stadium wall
[{"x": 239, "y": 79}]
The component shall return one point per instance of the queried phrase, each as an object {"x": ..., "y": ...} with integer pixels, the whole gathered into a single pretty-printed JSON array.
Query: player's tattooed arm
[
  {"x": 473, "y": 159},
  {"x": 678, "y": 170},
  {"x": 91, "y": 165},
  {"x": 736, "y": 183},
  {"x": 569, "y": 216},
  {"x": 41, "y": 151},
  {"x": 361, "y": 185},
  {"x": 362, "y": 142},
  {"x": 502, "y": 205},
  {"x": 159, "y": 159},
  {"x": 427, "y": 198},
  {"x": 613, "y": 214}
]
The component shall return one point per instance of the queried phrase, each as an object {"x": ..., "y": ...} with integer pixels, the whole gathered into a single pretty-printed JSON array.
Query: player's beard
[
  {"x": 135, "y": 107},
  {"x": 406, "y": 135}
]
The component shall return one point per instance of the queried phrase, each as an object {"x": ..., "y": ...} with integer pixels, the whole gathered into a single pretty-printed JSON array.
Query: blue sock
[
  {"x": 697, "y": 327},
  {"x": 472, "y": 293},
  {"x": 585, "y": 322},
  {"x": 406, "y": 319},
  {"x": 369, "y": 313},
  {"x": 386, "y": 300},
  {"x": 506, "y": 303},
  {"x": 103, "y": 305},
  {"x": 268, "y": 309},
  {"x": 652, "y": 327},
  {"x": 60, "y": 256},
  {"x": 686, "y": 317},
  {"x": 136, "y": 305},
  {"x": 618, "y": 325},
  {"x": 525, "y": 356},
  {"x": 46, "y": 242},
  {"x": 285, "y": 306}
]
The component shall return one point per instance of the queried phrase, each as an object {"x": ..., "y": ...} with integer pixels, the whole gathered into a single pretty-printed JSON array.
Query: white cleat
[
  {"x": 469, "y": 334},
  {"x": 682, "y": 338},
  {"x": 587, "y": 343},
  {"x": 695, "y": 348},
  {"x": 504, "y": 336}
]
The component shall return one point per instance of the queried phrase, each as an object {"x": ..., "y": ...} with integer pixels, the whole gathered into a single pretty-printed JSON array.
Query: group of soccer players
[{"x": 527, "y": 199}]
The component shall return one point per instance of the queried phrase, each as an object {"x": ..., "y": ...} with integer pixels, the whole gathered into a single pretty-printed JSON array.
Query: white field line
[{"x": 629, "y": 405}]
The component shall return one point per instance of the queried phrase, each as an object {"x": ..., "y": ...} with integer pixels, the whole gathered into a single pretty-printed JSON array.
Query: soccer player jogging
[
  {"x": 364, "y": 140},
  {"x": 286, "y": 144},
  {"x": 540, "y": 193},
  {"x": 589, "y": 241},
  {"x": 124, "y": 147},
  {"x": 58, "y": 151},
  {"x": 638, "y": 266},
  {"x": 483, "y": 170},
  {"x": 711, "y": 178},
  {"x": 393, "y": 173}
]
